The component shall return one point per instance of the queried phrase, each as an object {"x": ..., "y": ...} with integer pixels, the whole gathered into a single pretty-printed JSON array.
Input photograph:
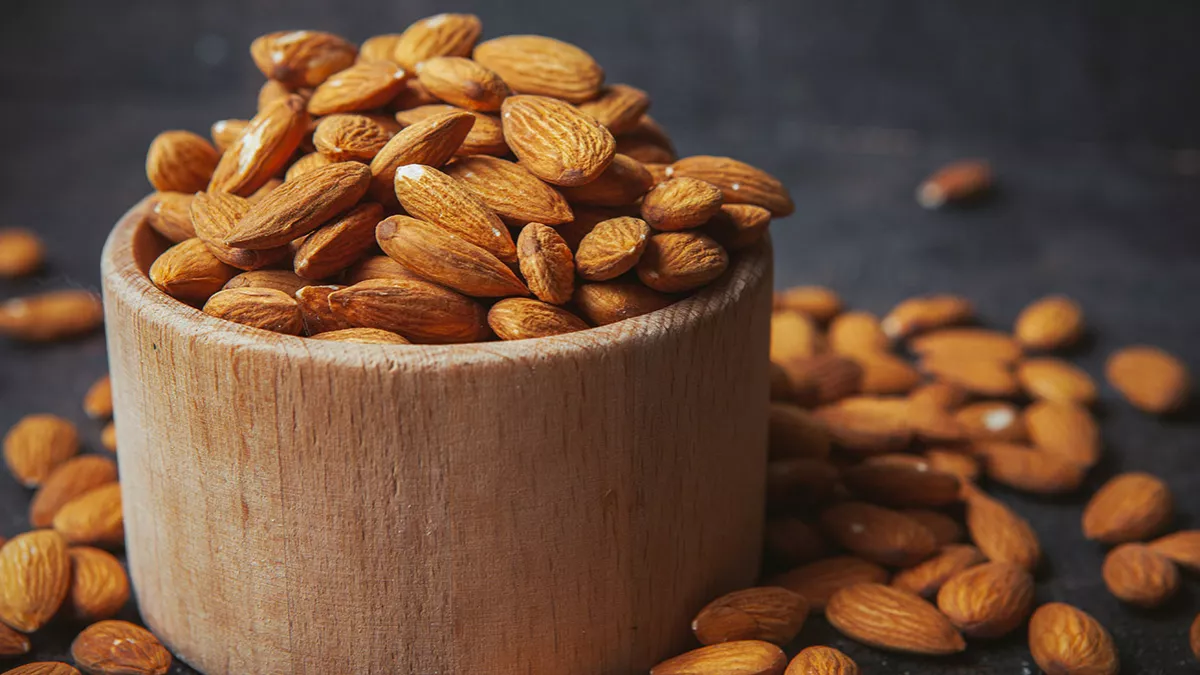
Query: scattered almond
[
  {"x": 988, "y": 600},
  {"x": 768, "y": 613},
  {"x": 799, "y": 483},
  {"x": 99, "y": 585},
  {"x": 43, "y": 668},
  {"x": 794, "y": 336},
  {"x": 12, "y": 643},
  {"x": 944, "y": 395},
  {"x": 50, "y": 316},
  {"x": 1129, "y": 507},
  {"x": 926, "y": 313},
  {"x": 954, "y": 462},
  {"x": 795, "y": 432},
  {"x": 818, "y": 302},
  {"x": 1140, "y": 576},
  {"x": 1030, "y": 470},
  {"x": 1149, "y": 378},
  {"x": 887, "y": 374},
  {"x": 880, "y": 535},
  {"x": 980, "y": 376},
  {"x": 1053, "y": 322},
  {"x": 892, "y": 619},
  {"x": 742, "y": 657},
  {"x": 1056, "y": 380},
  {"x": 791, "y": 541},
  {"x": 818, "y": 581},
  {"x": 945, "y": 529},
  {"x": 93, "y": 518},
  {"x": 119, "y": 648},
  {"x": 1066, "y": 640},
  {"x": 1181, "y": 548},
  {"x": 959, "y": 181},
  {"x": 823, "y": 378},
  {"x": 69, "y": 480},
  {"x": 108, "y": 437},
  {"x": 1063, "y": 429},
  {"x": 992, "y": 421},
  {"x": 35, "y": 574},
  {"x": 821, "y": 660},
  {"x": 926, "y": 578},
  {"x": 21, "y": 253},
  {"x": 37, "y": 445},
  {"x": 900, "y": 485},
  {"x": 856, "y": 333},
  {"x": 1001, "y": 534},
  {"x": 967, "y": 343},
  {"x": 868, "y": 425}
]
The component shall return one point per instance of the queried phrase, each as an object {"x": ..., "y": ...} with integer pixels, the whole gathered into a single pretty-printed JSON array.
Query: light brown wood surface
[{"x": 560, "y": 506}]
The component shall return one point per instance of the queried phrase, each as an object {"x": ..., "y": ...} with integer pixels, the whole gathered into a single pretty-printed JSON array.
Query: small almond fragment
[
  {"x": 524, "y": 318},
  {"x": 532, "y": 64},
  {"x": 366, "y": 336},
  {"x": 868, "y": 425},
  {"x": 263, "y": 149},
  {"x": 1053, "y": 322},
  {"x": 1001, "y": 534},
  {"x": 959, "y": 181},
  {"x": 431, "y": 141},
  {"x": 967, "y": 343},
  {"x": 899, "y": 485},
  {"x": 51, "y": 316},
  {"x": 1181, "y": 548},
  {"x": 916, "y": 315},
  {"x": 361, "y": 87},
  {"x": 69, "y": 480},
  {"x": 892, "y": 619},
  {"x": 12, "y": 643},
  {"x": 21, "y": 253},
  {"x": 675, "y": 262},
  {"x": 180, "y": 161},
  {"x": 432, "y": 196},
  {"x": 1130, "y": 507},
  {"x": 418, "y": 310},
  {"x": 818, "y": 302},
  {"x": 988, "y": 600},
  {"x": 820, "y": 660},
  {"x": 98, "y": 402},
  {"x": 613, "y": 301},
  {"x": 818, "y": 581},
  {"x": 880, "y": 535},
  {"x": 555, "y": 141},
  {"x": 437, "y": 35},
  {"x": 301, "y": 206},
  {"x": 768, "y": 613},
  {"x": 795, "y": 432},
  {"x": 36, "y": 573},
  {"x": 1056, "y": 380},
  {"x": 119, "y": 648},
  {"x": 855, "y": 333},
  {"x": 301, "y": 58},
  {"x": 980, "y": 376},
  {"x": 623, "y": 182},
  {"x": 926, "y": 578},
  {"x": 339, "y": 243},
  {"x": 1149, "y": 378},
  {"x": 264, "y": 308},
  {"x": 170, "y": 214},
  {"x": 992, "y": 421},
  {"x": 1024, "y": 468},
  {"x": 1137, "y": 574},
  {"x": 93, "y": 518},
  {"x": 1063, "y": 429},
  {"x": 681, "y": 203},
  {"x": 618, "y": 107},
  {"x": 1065, "y": 640},
  {"x": 738, "y": 226},
  {"x": 99, "y": 585},
  {"x": 462, "y": 82},
  {"x": 439, "y": 256},
  {"x": 740, "y": 183},
  {"x": 35, "y": 446},
  {"x": 742, "y": 657},
  {"x": 612, "y": 248},
  {"x": 546, "y": 263},
  {"x": 509, "y": 189}
]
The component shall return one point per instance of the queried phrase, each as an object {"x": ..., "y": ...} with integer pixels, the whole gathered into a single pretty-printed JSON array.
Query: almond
[
  {"x": 1056, "y": 380},
  {"x": 988, "y": 600},
  {"x": 992, "y": 421},
  {"x": 69, "y": 480},
  {"x": 170, "y": 214},
  {"x": 532, "y": 64},
  {"x": 823, "y": 378},
  {"x": 795, "y": 432},
  {"x": 959, "y": 181},
  {"x": 612, "y": 301},
  {"x": 888, "y": 374},
  {"x": 301, "y": 58},
  {"x": 1181, "y": 548},
  {"x": 443, "y": 258},
  {"x": 215, "y": 216},
  {"x": 180, "y": 161},
  {"x": 345, "y": 138},
  {"x": 791, "y": 541},
  {"x": 738, "y": 226},
  {"x": 855, "y": 333},
  {"x": 1023, "y": 468},
  {"x": 926, "y": 313},
  {"x": 315, "y": 311},
  {"x": 740, "y": 182},
  {"x": 818, "y": 581},
  {"x": 307, "y": 163},
  {"x": 1065, "y": 640},
  {"x": 50, "y": 316},
  {"x": 968, "y": 343},
  {"x": 1063, "y": 429},
  {"x": 36, "y": 573},
  {"x": 119, "y": 648},
  {"x": 412, "y": 96},
  {"x": 462, "y": 82},
  {"x": 273, "y": 90},
  {"x": 281, "y": 280},
  {"x": 431, "y": 141},
  {"x": 821, "y": 660},
  {"x": 366, "y": 336},
  {"x": 377, "y": 267},
  {"x": 99, "y": 585},
  {"x": 1140, "y": 576},
  {"x": 432, "y": 196},
  {"x": 301, "y": 206},
  {"x": 523, "y": 318},
  {"x": 97, "y": 402},
  {"x": 612, "y": 248},
  {"x": 799, "y": 483},
  {"x": 43, "y": 668},
  {"x": 509, "y": 189},
  {"x": 768, "y": 613},
  {"x": 546, "y": 263},
  {"x": 945, "y": 529},
  {"x": 742, "y": 657},
  {"x": 418, "y": 310},
  {"x": 618, "y": 107},
  {"x": 38, "y": 444},
  {"x": 675, "y": 262},
  {"x": 486, "y": 136},
  {"x": 880, "y": 535},
  {"x": 1129, "y": 507},
  {"x": 363, "y": 86},
  {"x": 263, "y": 149},
  {"x": 12, "y": 643},
  {"x": 108, "y": 437},
  {"x": 264, "y": 308},
  {"x": 943, "y": 395},
  {"x": 892, "y": 619},
  {"x": 225, "y": 132},
  {"x": 900, "y": 485},
  {"x": 928, "y": 422},
  {"x": 953, "y": 462},
  {"x": 339, "y": 243},
  {"x": 818, "y": 302},
  {"x": 794, "y": 336},
  {"x": 868, "y": 425},
  {"x": 555, "y": 141},
  {"x": 1149, "y": 378},
  {"x": 980, "y": 376},
  {"x": 623, "y": 182},
  {"x": 926, "y": 578},
  {"x": 437, "y": 35},
  {"x": 585, "y": 219},
  {"x": 378, "y": 47},
  {"x": 1001, "y": 534},
  {"x": 93, "y": 518},
  {"x": 1054, "y": 322}
]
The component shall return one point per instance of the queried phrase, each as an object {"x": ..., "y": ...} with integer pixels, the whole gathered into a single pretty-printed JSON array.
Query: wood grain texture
[{"x": 556, "y": 505}]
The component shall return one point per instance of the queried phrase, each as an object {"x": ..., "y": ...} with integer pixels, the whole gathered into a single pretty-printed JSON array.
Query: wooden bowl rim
[{"x": 124, "y": 278}]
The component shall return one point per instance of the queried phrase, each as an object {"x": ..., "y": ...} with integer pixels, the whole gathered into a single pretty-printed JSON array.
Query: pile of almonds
[
  {"x": 430, "y": 188},
  {"x": 877, "y": 471}
]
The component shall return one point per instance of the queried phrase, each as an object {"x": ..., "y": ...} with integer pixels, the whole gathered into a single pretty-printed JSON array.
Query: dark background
[{"x": 1090, "y": 112}]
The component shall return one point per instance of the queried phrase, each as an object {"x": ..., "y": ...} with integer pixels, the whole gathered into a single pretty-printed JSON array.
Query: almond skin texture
[
  {"x": 795, "y": 432},
  {"x": 992, "y": 421},
  {"x": 180, "y": 161},
  {"x": 612, "y": 248},
  {"x": 170, "y": 214},
  {"x": 432, "y": 196},
  {"x": 345, "y": 138},
  {"x": 623, "y": 182},
  {"x": 522, "y": 319},
  {"x": 1136, "y": 574},
  {"x": 819, "y": 303},
  {"x": 546, "y": 263},
  {"x": 898, "y": 485},
  {"x": 69, "y": 480},
  {"x": 279, "y": 280},
  {"x": 1065, "y": 430},
  {"x": 855, "y": 333},
  {"x": 301, "y": 58},
  {"x": 738, "y": 226},
  {"x": 822, "y": 661},
  {"x": 21, "y": 253},
  {"x": 431, "y": 141},
  {"x": 555, "y": 141},
  {"x": 958, "y": 181},
  {"x": 36, "y": 573},
  {"x": 12, "y": 643},
  {"x": 418, "y": 310},
  {"x": 926, "y": 578},
  {"x": 264, "y": 308},
  {"x": 767, "y": 613},
  {"x": 119, "y": 648},
  {"x": 612, "y": 301},
  {"x": 1149, "y": 378},
  {"x": 361, "y": 87},
  {"x": 314, "y": 309},
  {"x": 1054, "y": 322},
  {"x": 1129, "y": 507},
  {"x": 1056, "y": 380},
  {"x": 988, "y": 600},
  {"x": 970, "y": 343},
  {"x": 532, "y": 64},
  {"x": 339, "y": 243},
  {"x": 462, "y": 82},
  {"x": 618, "y": 107},
  {"x": 93, "y": 518},
  {"x": 509, "y": 189},
  {"x": 51, "y": 316},
  {"x": 443, "y": 258},
  {"x": 486, "y": 136},
  {"x": 37, "y": 445},
  {"x": 818, "y": 581},
  {"x": 739, "y": 182},
  {"x": 1024, "y": 468},
  {"x": 926, "y": 313},
  {"x": 892, "y": 619},
  {"x": 742, "y": 657},
  {"x": 880, "y": 535},
  {"x": 215, "y": 216},
  {"x": 366, "y": 336},
  {"x": 1001, "y": 534},
  {"x": 43, "y": 668},
  {"x": 675, "y": 262},
  {"x": 99, "y": 585},
  {"x": 263, "y": 149},
  {"x": 1181, "y": 548},
  {"x": 98, "y": 401},
  {"x": 301, "y": 206},
  {"x": 1068, "y": 641},
  {"x": 438, "y": 35}
]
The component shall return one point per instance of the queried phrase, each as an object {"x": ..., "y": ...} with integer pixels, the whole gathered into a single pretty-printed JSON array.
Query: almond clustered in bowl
[{"x": 426, "y": 187}]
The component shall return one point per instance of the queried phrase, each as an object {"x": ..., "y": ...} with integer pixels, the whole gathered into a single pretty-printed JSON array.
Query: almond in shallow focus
[{"x": 453, "y": 150}]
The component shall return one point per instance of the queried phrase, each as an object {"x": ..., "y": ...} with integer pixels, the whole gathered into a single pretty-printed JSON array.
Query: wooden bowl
[{"x": 561, "y": 505}]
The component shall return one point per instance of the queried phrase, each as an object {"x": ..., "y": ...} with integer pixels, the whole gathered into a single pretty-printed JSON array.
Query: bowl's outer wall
[{"x": 550, "y": 506}]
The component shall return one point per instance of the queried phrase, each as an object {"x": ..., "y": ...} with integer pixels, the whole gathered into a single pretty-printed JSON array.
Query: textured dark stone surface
[{"x": 1086, "y": 109}]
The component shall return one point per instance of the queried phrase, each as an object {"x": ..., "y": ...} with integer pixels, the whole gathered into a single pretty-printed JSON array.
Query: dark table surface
[{"x": 1105, "y": 211}]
